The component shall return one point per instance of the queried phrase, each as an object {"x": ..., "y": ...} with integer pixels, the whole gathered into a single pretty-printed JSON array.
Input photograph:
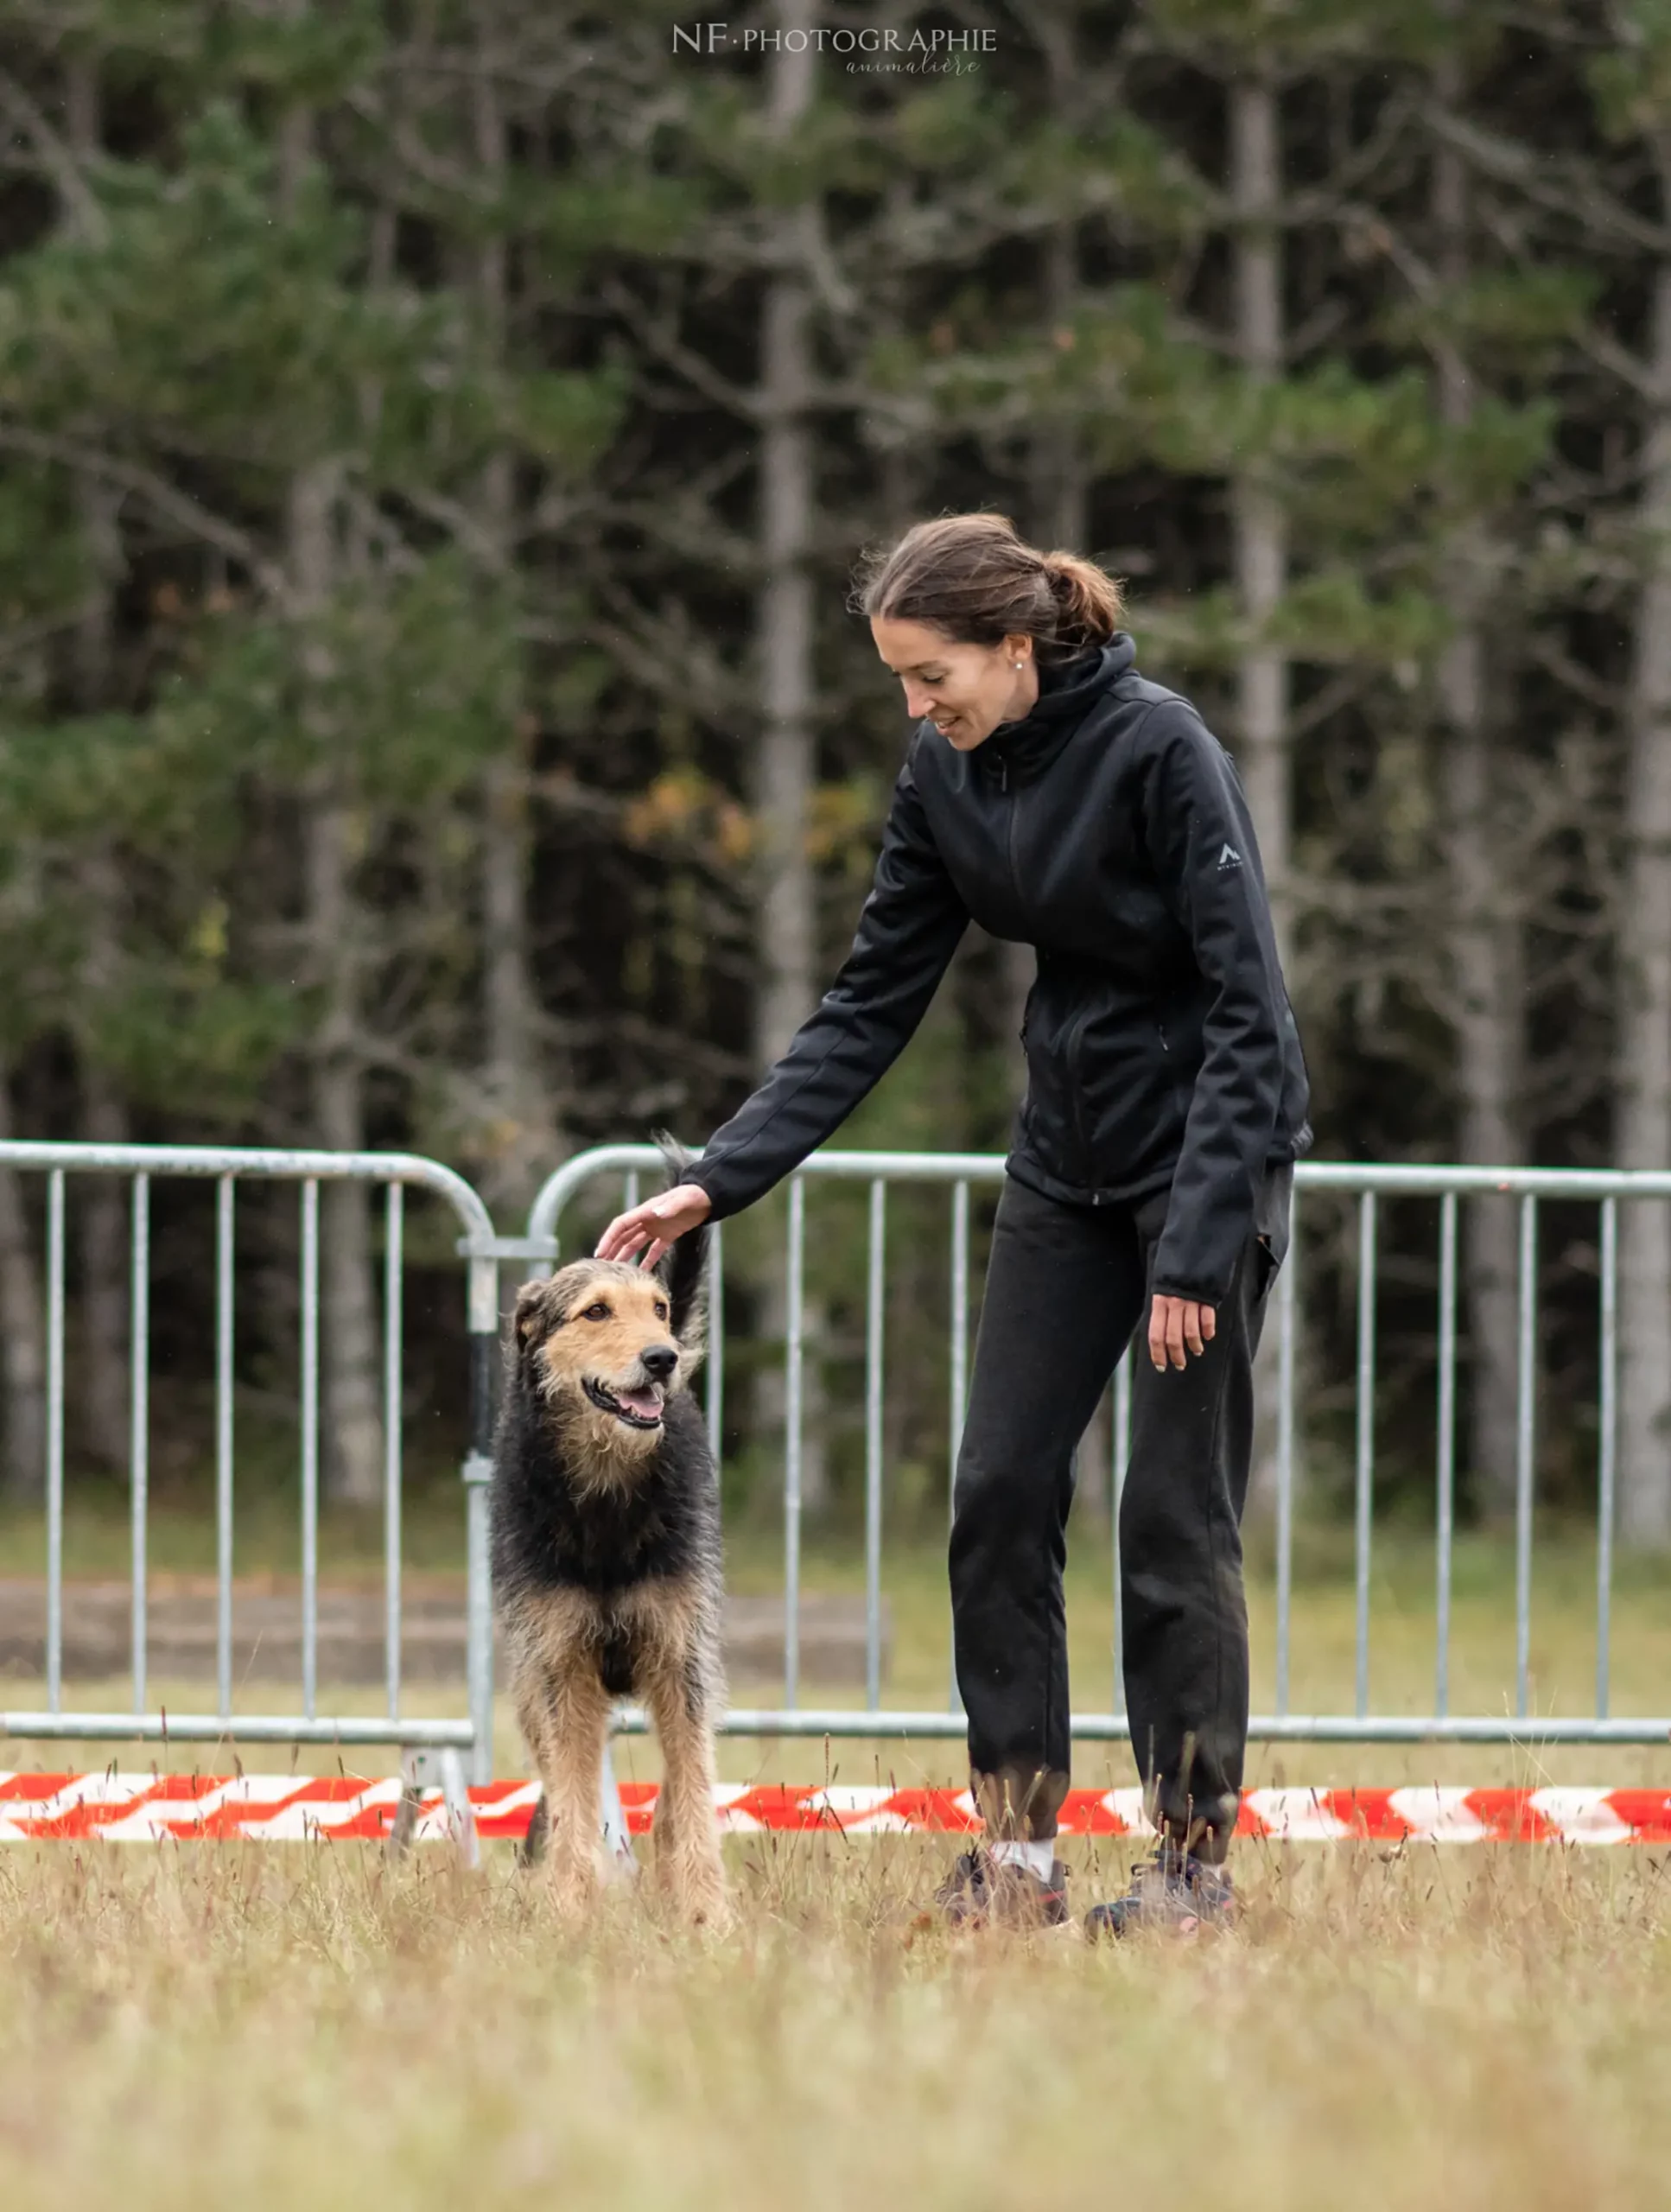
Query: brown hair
[{"x": 972, "y": 577}]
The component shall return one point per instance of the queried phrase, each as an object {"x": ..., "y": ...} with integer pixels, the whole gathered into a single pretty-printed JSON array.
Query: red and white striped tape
[{"x": 148, "y": 1809}]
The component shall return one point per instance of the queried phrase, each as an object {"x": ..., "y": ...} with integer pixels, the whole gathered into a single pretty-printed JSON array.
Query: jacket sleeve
[
  {"x": 908, "y": 930},
  {"x": 1200, "y": 839}
]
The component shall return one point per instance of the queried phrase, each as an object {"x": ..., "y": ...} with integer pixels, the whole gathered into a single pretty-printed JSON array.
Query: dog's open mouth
[{"x": 637, "y": 1408}]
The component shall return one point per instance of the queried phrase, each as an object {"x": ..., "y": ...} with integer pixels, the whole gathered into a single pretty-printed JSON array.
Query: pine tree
[{"x": 1632, "y": 89}]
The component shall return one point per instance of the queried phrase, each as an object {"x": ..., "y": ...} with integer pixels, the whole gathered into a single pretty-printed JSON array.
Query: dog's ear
[
  {"x": 684, "y": 1272},
  {"x": 532, "y": 1311},
  {"x": 675, "y": 1158},
  {"x": 683, "y": 1269}
]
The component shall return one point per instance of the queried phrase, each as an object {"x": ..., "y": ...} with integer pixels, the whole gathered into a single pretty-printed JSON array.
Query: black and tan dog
[{"x": 607, "y": 1556}]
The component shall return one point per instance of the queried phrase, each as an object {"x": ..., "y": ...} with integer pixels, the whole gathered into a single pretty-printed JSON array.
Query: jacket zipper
[
  {"x": 1075, "y": 1100},
  {"x": 1009, "y": 843}
]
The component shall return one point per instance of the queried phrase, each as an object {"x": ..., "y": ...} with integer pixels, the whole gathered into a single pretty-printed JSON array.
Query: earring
[{"x": 1018, "y": 664}]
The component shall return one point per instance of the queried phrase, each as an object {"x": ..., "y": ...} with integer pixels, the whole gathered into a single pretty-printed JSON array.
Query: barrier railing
[
  {"x": 961, "y": 1173},
  {"x": 483, "y": 1253},
  {"x": 226, "y": 1167}
]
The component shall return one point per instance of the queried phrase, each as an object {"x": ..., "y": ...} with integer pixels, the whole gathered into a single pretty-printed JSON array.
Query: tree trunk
[
  {"x": 520, "y": 1139},
  {"x": 1258, "y": 523},
  {"x": 1060, "y": 485},
  {"x": 786, "y": 762},
  {"x": 1485, "y": 940},
  {"x": 1060, "y": 499},
  {"x": 352, "y": 1419},
  {"x": 524, "y": 1140},
  {"x": 103, "y": 1207},
  {"x": 353, "y": 1428},
  {"x": 1644, "y": 1021},
  {"x": 24, "y": 1327},
  {"x": 1259, "y": 554},
  {"x": 104, "y": 1264},
  {"x": 1489, "y": 989}
]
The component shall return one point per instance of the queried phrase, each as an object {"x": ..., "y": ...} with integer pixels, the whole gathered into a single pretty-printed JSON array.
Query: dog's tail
[{"x": 685, "y": 1267}]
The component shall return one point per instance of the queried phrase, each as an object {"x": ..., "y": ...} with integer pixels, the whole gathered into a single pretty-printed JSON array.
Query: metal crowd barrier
[
  {"x": 961, "y": 1172},
  {"x": 484, "y": 1252},
  {"x": 471, "y": 1732}
]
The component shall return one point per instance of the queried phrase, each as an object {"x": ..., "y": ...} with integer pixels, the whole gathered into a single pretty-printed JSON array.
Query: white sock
[{"x": 1038, "y": 1857}]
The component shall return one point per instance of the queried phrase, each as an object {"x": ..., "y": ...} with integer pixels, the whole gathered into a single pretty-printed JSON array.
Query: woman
[{"x": 1053, "y": 795}]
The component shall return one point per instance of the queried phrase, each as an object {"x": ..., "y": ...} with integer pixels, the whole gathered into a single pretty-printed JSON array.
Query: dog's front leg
[
  {"x": 689, "y": 1865},
  {"x": 570, "y": 1754}
]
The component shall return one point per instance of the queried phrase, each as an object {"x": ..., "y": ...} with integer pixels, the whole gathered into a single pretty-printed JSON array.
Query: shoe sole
[
  {"x": 1189, "y": 1924},
  {"x": 978, "y": 1923}
]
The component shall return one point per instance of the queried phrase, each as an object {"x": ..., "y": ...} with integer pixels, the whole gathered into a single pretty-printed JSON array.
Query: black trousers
[{"x": 1067, "y": 1287}]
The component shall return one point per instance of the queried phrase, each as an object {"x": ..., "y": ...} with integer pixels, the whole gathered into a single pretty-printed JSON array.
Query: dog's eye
[
  {"x": 597, "y": 1311},
  {"x": 661, "y": 1309}
]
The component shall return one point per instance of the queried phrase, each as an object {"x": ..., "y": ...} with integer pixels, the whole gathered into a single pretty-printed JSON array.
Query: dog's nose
[{"x": 660, "y": 1360}]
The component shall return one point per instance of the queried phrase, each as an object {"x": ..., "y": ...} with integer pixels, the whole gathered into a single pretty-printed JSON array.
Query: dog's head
[{"x": 598, "y": 1343}]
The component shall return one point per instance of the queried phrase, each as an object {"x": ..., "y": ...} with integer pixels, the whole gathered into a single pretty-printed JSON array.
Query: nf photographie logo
[{"x": 942, "y": 52}]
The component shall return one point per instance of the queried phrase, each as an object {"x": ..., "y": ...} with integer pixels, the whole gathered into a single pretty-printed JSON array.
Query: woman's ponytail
[{"x": 1091, "y": 609}]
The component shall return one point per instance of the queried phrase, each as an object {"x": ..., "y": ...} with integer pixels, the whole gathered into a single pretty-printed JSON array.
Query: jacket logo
[{"x": 1229, "y": 856}]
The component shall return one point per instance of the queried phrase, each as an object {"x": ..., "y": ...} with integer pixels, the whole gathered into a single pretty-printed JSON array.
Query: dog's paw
[
  {"x": 699, "y": 1896},
  {"x": 714, "y": 1914},
  {"x": 572, "y": 1893}
]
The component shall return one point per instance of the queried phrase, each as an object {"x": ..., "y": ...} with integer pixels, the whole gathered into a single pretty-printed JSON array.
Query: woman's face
[{"x": 964, "y": 690}]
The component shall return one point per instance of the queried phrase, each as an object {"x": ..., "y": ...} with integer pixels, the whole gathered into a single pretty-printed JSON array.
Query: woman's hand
[
  {"x": 656, "y": 1225},
  {"x": 1174, "y": 1323}
]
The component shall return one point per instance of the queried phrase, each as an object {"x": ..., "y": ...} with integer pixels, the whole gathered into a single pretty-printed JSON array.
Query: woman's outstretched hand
[
  {"x": 1175, "y": 1323},
  {"x": 658, "y": 1223}
]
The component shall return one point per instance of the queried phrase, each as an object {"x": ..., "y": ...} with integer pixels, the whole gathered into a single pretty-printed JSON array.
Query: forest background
[{"x": 435, "y": 440}]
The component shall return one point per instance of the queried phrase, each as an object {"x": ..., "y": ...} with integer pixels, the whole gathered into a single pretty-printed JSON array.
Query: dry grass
[{"x": 269, "y": 2026}]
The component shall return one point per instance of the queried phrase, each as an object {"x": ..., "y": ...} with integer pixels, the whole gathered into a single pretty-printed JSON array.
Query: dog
[{"x": 608, "y": 1566}]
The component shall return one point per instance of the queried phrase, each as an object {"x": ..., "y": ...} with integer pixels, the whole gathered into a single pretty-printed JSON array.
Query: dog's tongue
[{"x": 645, "y": 1404}]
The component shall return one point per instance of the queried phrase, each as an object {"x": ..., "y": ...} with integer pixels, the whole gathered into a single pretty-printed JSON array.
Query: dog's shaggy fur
[{"x": 606, "y": 1555}]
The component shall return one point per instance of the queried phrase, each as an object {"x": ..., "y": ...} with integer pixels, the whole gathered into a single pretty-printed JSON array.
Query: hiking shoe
[
  {"x": 1175, "y": 1890},
  {"x": 981, "y": 1889}
]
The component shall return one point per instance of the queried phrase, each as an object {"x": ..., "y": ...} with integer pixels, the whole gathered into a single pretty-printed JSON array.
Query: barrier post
[{"x": 478, "y": 1472}]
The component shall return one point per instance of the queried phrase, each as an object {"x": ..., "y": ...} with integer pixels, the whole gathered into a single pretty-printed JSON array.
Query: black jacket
[{"x": 1107, "y": 829}]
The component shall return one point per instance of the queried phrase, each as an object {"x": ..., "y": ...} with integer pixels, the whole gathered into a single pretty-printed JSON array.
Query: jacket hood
[{"x": 1067, "y": 690}]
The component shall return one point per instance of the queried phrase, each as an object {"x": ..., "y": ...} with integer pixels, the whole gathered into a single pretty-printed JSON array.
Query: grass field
[{"x": 269, "y": 2027}]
